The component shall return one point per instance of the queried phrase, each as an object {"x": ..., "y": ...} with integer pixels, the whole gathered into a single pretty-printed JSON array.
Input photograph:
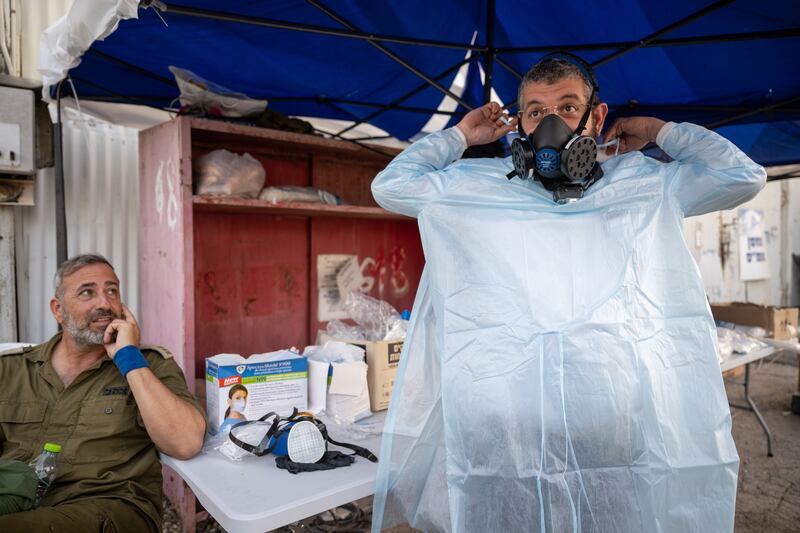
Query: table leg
[{"x": 752, "y": 405}]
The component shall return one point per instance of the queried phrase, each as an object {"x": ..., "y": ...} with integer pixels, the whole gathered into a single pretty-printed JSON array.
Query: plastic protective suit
[{"x": 560, "y": 370}]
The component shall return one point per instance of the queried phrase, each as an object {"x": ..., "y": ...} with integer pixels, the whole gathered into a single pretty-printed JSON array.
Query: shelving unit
[
  {"x": 242, "y": 205},
  {"x": 221, "y": 274}
]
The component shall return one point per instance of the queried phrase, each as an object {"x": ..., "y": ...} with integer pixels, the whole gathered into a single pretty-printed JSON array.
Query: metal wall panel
[{"x": 102, "y": 197}]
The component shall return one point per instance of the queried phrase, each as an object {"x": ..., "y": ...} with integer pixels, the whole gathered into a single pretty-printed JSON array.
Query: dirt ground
[{"x": 768, "y": 497}]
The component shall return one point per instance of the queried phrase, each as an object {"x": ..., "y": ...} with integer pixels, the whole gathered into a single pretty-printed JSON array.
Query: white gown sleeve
[
  {"x": 710, "y": 172},
  {"x": 418, "y": 175}
]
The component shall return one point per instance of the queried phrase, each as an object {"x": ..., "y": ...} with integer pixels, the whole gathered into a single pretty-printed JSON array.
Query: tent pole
[
  {"x": 670, "y": 28},
  {"x": 677, "y": 41},
  {"x": 734, "y": 118},
  {"x": 135, "y": 68},
  {"x": 489, "y": 57},
  {"x": 508, "y": 68},
  {"x": 410, "y": 109},
  {"x": 406, "y": 96},
  {"x": 61, "y": 210},
  {"x": 308, "y": 28},
  {"x": 391, "y": 54},
  {"x": 116, "y": 97}
]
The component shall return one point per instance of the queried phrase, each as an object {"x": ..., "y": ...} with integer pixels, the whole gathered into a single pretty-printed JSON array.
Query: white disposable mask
[{"x": 238, "y": 406}]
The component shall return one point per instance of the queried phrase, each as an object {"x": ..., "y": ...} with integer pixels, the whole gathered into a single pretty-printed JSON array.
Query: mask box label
[{"x": 239, "y": 389}]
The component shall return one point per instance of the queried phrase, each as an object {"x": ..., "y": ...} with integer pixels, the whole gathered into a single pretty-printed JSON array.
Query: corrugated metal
[
  {"x": 102, "y": 198},
  {"x": 35, "y": 17}
]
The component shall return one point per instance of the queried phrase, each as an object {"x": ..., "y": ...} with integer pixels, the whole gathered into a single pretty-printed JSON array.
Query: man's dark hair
[
  {"x": 551, "y": 71},
  {"x": 72, "y": 265}
]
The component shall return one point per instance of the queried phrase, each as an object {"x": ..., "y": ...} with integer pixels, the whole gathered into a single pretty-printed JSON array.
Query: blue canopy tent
[
  {"x": 729, "y": 64},
  {"x": 391, "y": 63}
]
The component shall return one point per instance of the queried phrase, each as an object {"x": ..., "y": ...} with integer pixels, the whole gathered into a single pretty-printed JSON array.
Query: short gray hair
[
  {"x": 552, "y": 71},
  {"x": 72, "y": 265}
]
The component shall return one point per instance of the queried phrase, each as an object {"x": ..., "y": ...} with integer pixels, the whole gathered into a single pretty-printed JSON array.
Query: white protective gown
[{"x": 560, "y": 371}]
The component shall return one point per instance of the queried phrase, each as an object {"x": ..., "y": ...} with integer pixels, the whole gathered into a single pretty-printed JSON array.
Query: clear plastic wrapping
[
  {"x": 223, "y": 173},
  {"x": 736, "y": 340},
  {"x": 377, "y": 320},
  {"x": 289, "y": 193}
]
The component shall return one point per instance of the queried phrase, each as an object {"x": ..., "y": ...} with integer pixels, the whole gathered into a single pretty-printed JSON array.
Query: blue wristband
[{"x": 129, "y": 358}]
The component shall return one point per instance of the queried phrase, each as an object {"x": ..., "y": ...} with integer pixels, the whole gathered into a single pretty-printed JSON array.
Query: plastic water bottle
[{"x": 45, "y": 467}]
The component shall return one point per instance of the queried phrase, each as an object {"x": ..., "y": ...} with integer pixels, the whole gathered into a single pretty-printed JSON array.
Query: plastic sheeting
[
  {"x": 560, "y": 371},
  {"x": 62, "y": 44}
]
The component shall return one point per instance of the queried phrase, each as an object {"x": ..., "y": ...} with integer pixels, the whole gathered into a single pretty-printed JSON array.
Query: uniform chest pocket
[
  {"x": 106, "y": 431},
  {"x": 21, "y": 423}
]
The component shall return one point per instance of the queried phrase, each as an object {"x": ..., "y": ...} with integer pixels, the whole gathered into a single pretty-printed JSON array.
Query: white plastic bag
[
  {"x": 298, "y": 194},
  {"x": 221, "y": 442},
  {"x": 223, "y": 173},
  {"x": 214, "y": 99}
]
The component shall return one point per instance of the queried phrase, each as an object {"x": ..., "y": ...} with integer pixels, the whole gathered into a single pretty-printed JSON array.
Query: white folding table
[
  {"x": 747, "y": 359},
  {"x": 254, "y": 496}
]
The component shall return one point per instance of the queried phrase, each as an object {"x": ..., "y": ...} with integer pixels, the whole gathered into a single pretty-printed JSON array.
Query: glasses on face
[{"x": 566, "y": 111}]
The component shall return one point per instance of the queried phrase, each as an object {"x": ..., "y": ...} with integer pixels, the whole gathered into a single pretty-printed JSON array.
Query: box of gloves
[{"x": 239, "y": 389}]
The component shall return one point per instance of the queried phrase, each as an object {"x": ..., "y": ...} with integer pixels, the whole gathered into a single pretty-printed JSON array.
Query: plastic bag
[
  {"x": 222, "y": 443},
  {"x": 214, "y": 99},
  {"x": 342, "y": 431},
  {"x": 338, "y": 329},
  {"x": 380, "y": 321},
  {"x": 734, "y": 340},
  {"x": 298, "y": 194},
  {"x": 223, "y": 173}
]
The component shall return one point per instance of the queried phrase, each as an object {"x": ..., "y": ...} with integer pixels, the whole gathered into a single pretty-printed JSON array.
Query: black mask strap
[
  {"x": 263, "y": 447},
  {"x": 585, "y": 117}
]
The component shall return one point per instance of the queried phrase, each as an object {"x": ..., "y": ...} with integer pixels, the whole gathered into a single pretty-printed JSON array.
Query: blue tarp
[{"x": 702, "y": 82}]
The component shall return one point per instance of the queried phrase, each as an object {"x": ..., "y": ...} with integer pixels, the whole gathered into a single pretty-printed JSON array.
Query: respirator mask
[
  {"x": 299, "y": 442},
  {"x": 563, "y": 160}
]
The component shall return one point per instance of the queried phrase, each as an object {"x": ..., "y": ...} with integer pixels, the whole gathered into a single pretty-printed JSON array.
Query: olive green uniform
[{"x": 109, "y": 475}]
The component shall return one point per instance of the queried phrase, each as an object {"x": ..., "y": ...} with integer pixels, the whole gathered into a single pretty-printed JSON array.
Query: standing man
[
  {"x": 110, "y": 403},
  {"x": 560, "y": 370}
]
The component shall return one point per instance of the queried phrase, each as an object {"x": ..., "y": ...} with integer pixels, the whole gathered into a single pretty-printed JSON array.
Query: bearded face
[
  {"x": 88, "y": 330},
  {"x": 86, "y": 303}
]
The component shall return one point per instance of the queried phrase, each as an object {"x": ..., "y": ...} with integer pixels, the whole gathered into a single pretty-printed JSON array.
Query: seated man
[{"x": 109, "y": 403}]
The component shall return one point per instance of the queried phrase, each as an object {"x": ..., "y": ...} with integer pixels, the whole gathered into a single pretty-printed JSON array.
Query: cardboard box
[
  {"x": 276, "y": 381},
  {"x": 775, "y": 320},
  {"x": 382, "y": 359}
]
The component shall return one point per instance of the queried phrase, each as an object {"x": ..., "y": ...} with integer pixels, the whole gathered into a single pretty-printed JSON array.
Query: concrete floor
[{"x": 769, "y": 487}]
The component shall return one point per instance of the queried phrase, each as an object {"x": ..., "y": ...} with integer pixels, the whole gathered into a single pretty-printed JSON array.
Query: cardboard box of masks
[
  {"x": 239, "y": 389},
  {"x": 382, "y": 359},
  {"x": 779, "y": 322}
]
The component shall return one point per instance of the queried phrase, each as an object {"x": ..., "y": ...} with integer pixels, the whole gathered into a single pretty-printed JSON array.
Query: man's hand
[
  {"x": 121, "y": 332},
  {"x": 633, "y": 133},
  {"x": 483, "y": 125}
]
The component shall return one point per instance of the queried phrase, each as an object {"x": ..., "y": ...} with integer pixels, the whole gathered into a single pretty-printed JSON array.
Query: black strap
[
  {"x": 263, "y": 447},
  {"x": 361, "y": 452},
  {"x": 585, "y": 117},
  {"x": 329, "y": 461}
]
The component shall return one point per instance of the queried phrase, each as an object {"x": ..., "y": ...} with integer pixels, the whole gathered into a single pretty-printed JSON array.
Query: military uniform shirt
[{"x": 105, "y": 449}]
